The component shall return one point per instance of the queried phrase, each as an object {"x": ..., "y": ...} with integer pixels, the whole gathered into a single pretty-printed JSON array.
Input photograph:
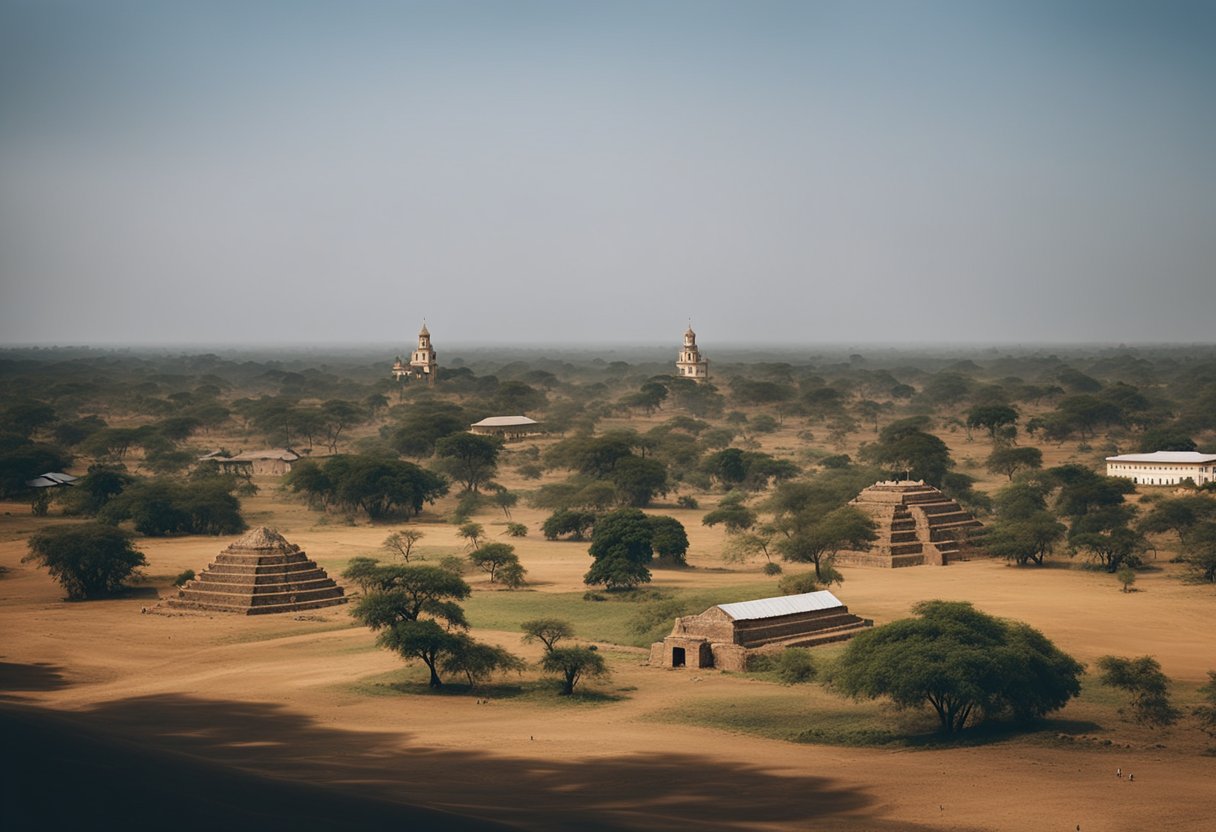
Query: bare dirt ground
[{"x": 277, "y": 697}]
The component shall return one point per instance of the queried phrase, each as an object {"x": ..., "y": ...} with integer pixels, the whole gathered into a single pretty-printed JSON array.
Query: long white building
[{"x": 1163, "y": 467}]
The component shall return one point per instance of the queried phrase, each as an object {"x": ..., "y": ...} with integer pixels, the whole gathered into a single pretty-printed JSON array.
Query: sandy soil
[{"x": 275, "y": 696}]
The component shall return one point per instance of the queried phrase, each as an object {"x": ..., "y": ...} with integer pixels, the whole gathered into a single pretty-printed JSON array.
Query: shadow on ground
[{"x": 190, "y": 763}]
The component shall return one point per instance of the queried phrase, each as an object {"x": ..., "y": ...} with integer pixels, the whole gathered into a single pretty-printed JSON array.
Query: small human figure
[
  {"x": 1130, "y": 777},
  {"x": 1119, "y": 773}
]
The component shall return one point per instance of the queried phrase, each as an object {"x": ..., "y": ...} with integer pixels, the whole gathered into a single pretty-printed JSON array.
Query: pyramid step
[
  {"x": 263, "y": 579},
  {"x": 268, "y": 569}
]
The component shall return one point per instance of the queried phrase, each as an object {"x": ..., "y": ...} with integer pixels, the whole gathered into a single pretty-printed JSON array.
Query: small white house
[{"x": 1163, "y": 467}]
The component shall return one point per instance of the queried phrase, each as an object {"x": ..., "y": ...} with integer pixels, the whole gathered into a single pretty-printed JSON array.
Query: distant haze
[{"x": 543, "y": 172}]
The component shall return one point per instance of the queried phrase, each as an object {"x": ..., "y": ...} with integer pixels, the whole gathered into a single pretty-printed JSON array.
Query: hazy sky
[{"x": 533, "y": 171}]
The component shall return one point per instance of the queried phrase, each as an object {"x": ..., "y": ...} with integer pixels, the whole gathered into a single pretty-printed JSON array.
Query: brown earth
[{"x": 276, "y": 697}]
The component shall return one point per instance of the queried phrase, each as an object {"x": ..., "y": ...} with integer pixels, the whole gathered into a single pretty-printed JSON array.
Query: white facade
[
  {"x": 1163, "y": 467},
  {"x": 690, "y": 363}
]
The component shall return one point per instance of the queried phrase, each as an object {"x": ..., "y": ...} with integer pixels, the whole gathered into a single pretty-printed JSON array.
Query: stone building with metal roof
[{"x": 724, "y": 635}]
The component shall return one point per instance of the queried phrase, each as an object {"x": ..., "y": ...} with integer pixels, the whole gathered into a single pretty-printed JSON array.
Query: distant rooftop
[
  {"x": 781, "y": 605},
  {"x": 50, "y": 480},
  {"x": 1184, "y": 457},
  {"x": 505, "y": 422}
]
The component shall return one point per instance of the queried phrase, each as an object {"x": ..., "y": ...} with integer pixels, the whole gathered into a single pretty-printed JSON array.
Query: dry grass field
[{"x": 309, "y": 699}]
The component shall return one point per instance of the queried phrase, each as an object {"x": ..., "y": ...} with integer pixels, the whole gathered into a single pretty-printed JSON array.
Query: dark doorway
[{"x": 677, "y": 657}]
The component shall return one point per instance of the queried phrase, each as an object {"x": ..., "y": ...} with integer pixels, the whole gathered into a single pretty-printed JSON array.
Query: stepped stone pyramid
[
  {"x": 260, "y": 573},
  {"x": 917, "y": 524}
]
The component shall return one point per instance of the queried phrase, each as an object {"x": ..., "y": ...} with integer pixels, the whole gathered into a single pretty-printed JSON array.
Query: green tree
[
  {"x": 491, "y": 558},
  {"x": 336, "y": 416},
  {"x": 478, "y": 662},
  {"x": 1199, "y": 553},
  {"x": 965, "y": 664},
  {"x": 1008, "y": 460},
  {"x": 991, "y": 417},
  {"x": 621, "y": 546},
  {"x": 402, "y": 543},
  {"x": 573, "y": 664},
  {"x": 548, "y": 631},
  {"x": 505, "y": 500},
  {"x": 577, "y": 524},
  {"x": 363, "y": 572},
  {"x": 88, "y": 561},
  {"x": 909, "y": 452},
  {"x": 469, "y": 459},
  {"x": 1178, "y": 515},
  {"x": 1126, "y": 577},
  {"x": 472, "y": 533},
  {"x": 735, "y": 516},
  {"x": 1106, "y": 535},
  {"x": 813, "y": 523},
  {"x": 414, "y": 610},
  {"x": 668, "y": 539},
  {"x": 1148, "y": 686},
  {"x": 1206, "y": 712},
  {"x": 1024, "y": 530},
  {"x": 639, "y": 480}
]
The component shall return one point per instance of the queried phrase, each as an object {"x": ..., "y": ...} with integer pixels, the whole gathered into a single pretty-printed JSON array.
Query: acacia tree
[
  {"x": 573, "y": 664},
  {"x": 402, "y": 543},
  {"x": 493, "y": 558},
  {"x": 1108, "y": 538},
  {"x": 568, "y": 521},
  {"x": 1009, "y": 460},
  {"x": 470, "y": 459},
  {"x": 1178, "y": 515},
  {"x": 1024, "y": 530},
  {"x": 991, "y": 417},
  {"x": 548, "y": 631},
  {"x": 89, "y": 560},
  {"x": 414, "y": 610},
  {"x": 965, "y": 664},
  {"x": 478, "y": 661},
  {"x": 1148, "y": 686}
]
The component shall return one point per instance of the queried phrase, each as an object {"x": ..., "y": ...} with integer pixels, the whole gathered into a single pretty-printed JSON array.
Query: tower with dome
[
  {"x": 423, "y": 363},
  {"x": 691, "y": 364}
]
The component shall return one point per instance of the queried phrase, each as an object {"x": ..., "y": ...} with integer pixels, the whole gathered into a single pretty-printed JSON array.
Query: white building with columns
[{"x": 1163, "y": 467}]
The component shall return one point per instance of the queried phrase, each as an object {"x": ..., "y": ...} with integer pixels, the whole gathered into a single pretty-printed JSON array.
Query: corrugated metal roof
[
  {"x": 1193, "y": 457},
  {"x": 781, "y": 605},
  {"x": 51, "y": 479},
  {"x": 284, "y": 454},
  {"x": 505, "y": 422}
]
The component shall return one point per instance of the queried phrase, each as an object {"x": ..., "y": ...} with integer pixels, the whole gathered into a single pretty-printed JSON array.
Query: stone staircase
[
  {"x": 258, "y": 574},
  {"x": 917, "y": 524}
]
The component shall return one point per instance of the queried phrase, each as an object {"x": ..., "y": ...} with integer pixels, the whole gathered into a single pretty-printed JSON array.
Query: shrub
[
  {"x": 517, "y": 530},
  {"x": 797, "y": 584},
  {"x": 89, "y": 560},
  {"x": 795, "y": 666},
  {"x": 181, "y": 579},
  {"x": 687, "y": 501},
  {"x": 771, "y": 568}
]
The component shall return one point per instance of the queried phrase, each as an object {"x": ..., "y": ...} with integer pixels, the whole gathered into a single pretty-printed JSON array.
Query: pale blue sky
[{"x": 535, "y": 172}]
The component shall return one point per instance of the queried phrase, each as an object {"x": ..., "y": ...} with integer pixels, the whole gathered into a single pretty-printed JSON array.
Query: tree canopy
[
  {"x": 965, "y": 664},
  {"x": 89, "y": 560}
]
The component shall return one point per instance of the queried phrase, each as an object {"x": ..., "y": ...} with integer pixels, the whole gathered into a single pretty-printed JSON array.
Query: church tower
[
  {"x": 424, "y": 363},
  {"x": 690, "y": 363}
]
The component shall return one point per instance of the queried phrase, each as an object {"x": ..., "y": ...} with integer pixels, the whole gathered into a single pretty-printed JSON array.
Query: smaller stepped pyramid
[
  {"x": 260, "y": 573},
  {"x": 917, "y": 524}
]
